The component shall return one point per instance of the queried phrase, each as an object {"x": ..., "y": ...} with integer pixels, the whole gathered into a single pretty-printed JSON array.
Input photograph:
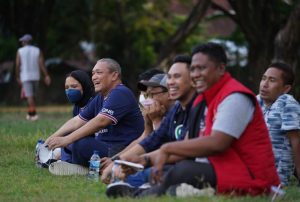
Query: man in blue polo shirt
[
  {"x": 113, "y": 116},
  {"x": 175, "y": 124}
]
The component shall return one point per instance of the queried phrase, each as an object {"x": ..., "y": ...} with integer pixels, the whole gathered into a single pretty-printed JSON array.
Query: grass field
[{"x": 20, "y": 180}]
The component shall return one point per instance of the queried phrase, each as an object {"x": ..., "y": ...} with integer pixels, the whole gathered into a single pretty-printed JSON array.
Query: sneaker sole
[
  {"x": 119, "y": 190},
  {"x": 64, "y": 168}
]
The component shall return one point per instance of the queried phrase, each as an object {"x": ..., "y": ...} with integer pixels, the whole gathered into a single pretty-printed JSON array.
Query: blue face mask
[{"x": 73, "y": 95}]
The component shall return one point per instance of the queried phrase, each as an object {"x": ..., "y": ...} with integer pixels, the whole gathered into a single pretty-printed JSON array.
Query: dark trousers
[
  {"x": 81, "y": 151},
  {"x": 199, "y": 175}
]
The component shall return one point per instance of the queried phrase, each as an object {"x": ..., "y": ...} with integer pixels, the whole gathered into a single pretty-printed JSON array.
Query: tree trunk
[{"x": 287, "y": 46}]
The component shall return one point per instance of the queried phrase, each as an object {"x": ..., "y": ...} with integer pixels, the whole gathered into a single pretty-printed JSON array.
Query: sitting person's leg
[
  {"x": 83, "y": 149},
  {"x": 199, "y": 175},
  {"x": 66, "y": 153},
  {"x": 81, "y": 152}
]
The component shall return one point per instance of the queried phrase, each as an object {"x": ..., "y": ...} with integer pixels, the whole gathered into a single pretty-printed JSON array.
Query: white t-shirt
[{"x": 29, "y": 59}]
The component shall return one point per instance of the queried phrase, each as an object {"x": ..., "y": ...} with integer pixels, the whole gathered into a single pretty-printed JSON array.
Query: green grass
[{"x": 20, "y": 180}]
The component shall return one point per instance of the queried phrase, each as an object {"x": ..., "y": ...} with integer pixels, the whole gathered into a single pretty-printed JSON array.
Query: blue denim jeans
[{"x": 139, "y": 178}]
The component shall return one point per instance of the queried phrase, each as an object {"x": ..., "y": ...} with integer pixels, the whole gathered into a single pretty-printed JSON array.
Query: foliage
[
  {"x": 69, "y": 24},
  {"x": 9, "y": 46},
  {"x": 131, "y": 32}
]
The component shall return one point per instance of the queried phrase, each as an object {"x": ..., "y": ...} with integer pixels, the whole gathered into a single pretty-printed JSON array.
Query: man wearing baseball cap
[{"x": 29, "y": 63}]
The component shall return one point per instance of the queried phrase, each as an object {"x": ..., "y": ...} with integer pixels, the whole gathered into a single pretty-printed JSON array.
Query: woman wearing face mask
[{"x": 79, "y": 91}]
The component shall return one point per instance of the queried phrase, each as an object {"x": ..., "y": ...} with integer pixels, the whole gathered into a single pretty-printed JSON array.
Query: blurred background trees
[{"x": 141, "y": 34}]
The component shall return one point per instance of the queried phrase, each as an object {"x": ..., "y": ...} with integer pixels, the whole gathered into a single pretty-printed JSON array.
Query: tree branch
[
  {"x": 226, "y": 12},
  {"x": 185, "y": 29}
]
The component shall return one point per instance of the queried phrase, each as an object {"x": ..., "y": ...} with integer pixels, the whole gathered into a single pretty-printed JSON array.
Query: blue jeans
[{"x": 139, "y": 178}]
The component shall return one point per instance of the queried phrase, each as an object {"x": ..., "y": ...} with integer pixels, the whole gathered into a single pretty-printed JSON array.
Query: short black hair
[
  {"x": 215, "y": 51},
  {"x": 288, "y": 74},
  {"x": 149, "y": 73},
  {"x": 182, "y": 58}
]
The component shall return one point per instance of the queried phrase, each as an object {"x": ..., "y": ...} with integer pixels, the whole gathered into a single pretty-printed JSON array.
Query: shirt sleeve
[
  {"x": 116, "y": 105},
  {"x": 234, "y": 114},
  {"x": 88, "y": 112},
  {"x": 291, "y": 115}
]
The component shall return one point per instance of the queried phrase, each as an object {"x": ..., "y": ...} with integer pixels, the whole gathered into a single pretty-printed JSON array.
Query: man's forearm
[
  {"x": 90, "y": 127},
  {"x": 70, "y": 126},
  {"x": 132, "y": 144},
  {"x": 135, "y": 150},
  {"x": 294, "y": 137}
]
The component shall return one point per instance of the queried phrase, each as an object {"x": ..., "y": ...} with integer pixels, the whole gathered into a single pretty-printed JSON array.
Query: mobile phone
[{"x": 135, "y": 166}]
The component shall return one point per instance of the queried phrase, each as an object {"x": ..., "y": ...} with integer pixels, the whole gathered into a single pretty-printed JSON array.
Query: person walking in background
[
  {"x": 29, "y": 63},
  {"x": 282, "y": 116}
]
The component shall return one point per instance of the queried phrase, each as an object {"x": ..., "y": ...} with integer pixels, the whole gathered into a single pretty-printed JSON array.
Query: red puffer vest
[{"x": 247, "y": 167}]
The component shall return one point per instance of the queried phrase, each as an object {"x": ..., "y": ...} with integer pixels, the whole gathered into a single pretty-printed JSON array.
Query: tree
[
  {"x": 287, "y": 45},
  {"x": 262, "y": 22},
  {"x": 184, "y": 30}
]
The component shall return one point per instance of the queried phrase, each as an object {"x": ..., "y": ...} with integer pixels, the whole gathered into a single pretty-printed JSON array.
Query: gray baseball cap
[
  {"x": 26, "y": 37},
  {"x": 158, "y": 80}
]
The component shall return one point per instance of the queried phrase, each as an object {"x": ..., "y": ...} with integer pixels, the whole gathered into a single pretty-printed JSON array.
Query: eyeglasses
[{"x": 151, "y": 95}]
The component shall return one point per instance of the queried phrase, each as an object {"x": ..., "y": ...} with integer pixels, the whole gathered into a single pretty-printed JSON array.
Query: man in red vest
[{"x": 228, "y": 146}]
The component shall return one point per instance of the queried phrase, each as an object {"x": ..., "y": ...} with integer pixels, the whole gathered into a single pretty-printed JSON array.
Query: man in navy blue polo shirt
[
  {"x": 113, "y": 116},
  {"x": 175, "y": 124}
]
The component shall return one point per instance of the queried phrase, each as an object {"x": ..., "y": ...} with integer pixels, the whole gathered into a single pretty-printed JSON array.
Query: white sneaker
[
  {"x": 185, "y": 190},
  {"x": 65, "y": 168},
  {"x": 32, "y": 118}
]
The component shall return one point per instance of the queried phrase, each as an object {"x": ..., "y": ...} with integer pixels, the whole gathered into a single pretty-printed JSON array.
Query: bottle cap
[
  {"x": 96, "y": 152},
  {"x": 41, "y": 141}
]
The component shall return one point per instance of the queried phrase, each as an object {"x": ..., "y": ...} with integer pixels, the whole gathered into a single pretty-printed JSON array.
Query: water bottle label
[{"x": 95, "y": 164}]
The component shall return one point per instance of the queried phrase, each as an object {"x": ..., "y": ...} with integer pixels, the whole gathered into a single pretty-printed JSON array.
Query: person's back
[{"x": 29, "y": 57}]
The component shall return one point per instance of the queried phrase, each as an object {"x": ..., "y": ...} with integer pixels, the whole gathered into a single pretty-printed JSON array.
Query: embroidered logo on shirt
[
  {"x": 108, "y": 111},
  {"x": 101, "y": 131}
]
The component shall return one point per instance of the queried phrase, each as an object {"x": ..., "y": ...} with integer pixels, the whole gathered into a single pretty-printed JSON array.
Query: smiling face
[
  {"x": 272, "y": 85},
  {"x": 179, "y": 82},
  {"x": 205, "y": 72},
  {"x": 103, "y": 78},
  {"x": 72, "y": 83}
]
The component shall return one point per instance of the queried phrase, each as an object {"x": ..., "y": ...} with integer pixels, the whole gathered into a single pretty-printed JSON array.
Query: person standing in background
[{"x": 29, "y": 63}]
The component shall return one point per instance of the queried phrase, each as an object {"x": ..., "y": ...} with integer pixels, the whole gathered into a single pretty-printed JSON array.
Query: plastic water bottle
[
  {"x": 94, "y": 166},
  {"x": 37, "y": 151},
  {"x": 115, "y": 169}
]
